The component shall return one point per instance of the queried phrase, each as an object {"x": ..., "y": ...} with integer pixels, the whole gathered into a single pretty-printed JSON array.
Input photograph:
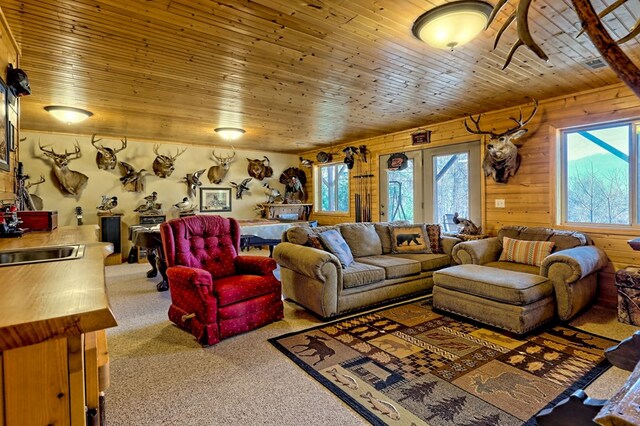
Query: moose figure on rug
[{"x": 502, "y": 159}]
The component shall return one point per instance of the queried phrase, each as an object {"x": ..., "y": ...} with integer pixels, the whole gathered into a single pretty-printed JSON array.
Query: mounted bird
[
  {"x": 305, "y": 162},
  {"x": 466, "y": 226},
  {"x": 273, "y": 194},
  {"x": 241, "y": 188},
  {"x": 185, "y": 206},
  {"x": 193, "y": 182},
  {"x": 294, "y": 180},
  {"x": 108, "y": 204},
  {"x": 133, "y": 181},
  {"x": 149, "y": 205}
]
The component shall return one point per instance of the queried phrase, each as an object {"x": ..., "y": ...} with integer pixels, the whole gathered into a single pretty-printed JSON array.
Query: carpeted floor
[{"x": 161, "y": 376}]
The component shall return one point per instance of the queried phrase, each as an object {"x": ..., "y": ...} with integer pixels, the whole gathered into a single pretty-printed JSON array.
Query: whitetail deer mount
[
  {"x": 502, "y": 159},
  {"x": 217, "y": 173},
  {"x": 592, "y": 24},
  {"x": 163, "y": 165},
  {"x": 106, "y": 157},
  {"x": 70, "y": 181}
]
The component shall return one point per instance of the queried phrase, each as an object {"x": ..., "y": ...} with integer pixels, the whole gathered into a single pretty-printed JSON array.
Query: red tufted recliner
[{"x": 215, "y": 293}]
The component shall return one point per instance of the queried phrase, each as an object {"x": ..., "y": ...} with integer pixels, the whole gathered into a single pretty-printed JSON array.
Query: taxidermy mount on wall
[
  {"x": 218, "y": 172},
  {"x": 294, "y": 180},
  {"x": 466, "y": 226},
  {"x": 106, "y": 157},
  {"x": 193, "y": 182},
  {"x": 502, "y": 159},
  {"x": 163, "y": 164},
  {"x": 18, "y": 81},
  {"x": 149, "y": 205},
  {"x": 259, "y": 169},
  {"x": 184, "y": 206},
  {"x": 108, "y": 203},
  {"x": 132, "y": 180},
  {"x": 25, "y": 200},
  {"x": 70, "y": 181},
  {"x": 273, "y": 194},
  {"x": 241, "y": 188}
]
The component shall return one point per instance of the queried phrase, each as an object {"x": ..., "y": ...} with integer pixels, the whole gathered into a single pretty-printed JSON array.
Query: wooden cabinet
[{"x": 286, "y": 211}]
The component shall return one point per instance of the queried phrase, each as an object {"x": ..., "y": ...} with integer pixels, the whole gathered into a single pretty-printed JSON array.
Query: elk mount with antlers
[
  {"x": 163, "y": 165},
  {"x": 70, "y": 181},
  {"x": 218, "y": 172},
  {"x": 106, "y": 157},
  {"x": 502, "y": 159}
]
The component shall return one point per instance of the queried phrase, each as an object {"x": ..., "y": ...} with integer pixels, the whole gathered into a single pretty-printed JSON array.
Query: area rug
[{"x": 409, "y": 365}]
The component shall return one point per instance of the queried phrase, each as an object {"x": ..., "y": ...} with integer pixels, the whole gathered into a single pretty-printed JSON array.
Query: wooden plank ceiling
[{"x": 295, "y": 74}]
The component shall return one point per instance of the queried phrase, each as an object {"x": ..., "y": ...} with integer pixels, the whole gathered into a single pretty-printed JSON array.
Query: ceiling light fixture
[
  {"x": 229, "y": 133},
  {"x": 452, "y": 24},
  {"x": 68, "y": 114}
]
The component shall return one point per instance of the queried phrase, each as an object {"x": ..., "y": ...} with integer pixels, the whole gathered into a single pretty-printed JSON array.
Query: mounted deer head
[
  {"x": 70, "y": 181},
  {"x": 217, "y": 173},
  {"x": 163, "y": 164},
  {"x": 502, "y": 160},
  {"x": 106, "y": 157}
]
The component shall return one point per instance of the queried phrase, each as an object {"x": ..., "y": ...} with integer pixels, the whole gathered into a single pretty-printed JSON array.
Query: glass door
[{"x": 401, "y": 190}]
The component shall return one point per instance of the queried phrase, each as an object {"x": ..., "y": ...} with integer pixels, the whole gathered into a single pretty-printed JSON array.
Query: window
[
  {"x": 451, "y": 186},
  {"x": 599, "y": 174},
  {"x": 332, "y": 194}
]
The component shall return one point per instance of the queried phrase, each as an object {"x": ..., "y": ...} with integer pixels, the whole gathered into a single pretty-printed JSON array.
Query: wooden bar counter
[{"x": 52, "y": 342}]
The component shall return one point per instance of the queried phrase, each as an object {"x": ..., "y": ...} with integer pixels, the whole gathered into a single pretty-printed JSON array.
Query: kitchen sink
[{"x": 41, "y": 254}]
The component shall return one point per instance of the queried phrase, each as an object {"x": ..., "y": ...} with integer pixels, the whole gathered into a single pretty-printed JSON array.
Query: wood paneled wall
[
  {"x": 9, "y": 53},
  {"x": 529, "y": 196}
]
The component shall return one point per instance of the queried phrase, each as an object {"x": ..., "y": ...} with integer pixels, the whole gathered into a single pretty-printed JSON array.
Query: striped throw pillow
[{"x": 527, "y": 252}]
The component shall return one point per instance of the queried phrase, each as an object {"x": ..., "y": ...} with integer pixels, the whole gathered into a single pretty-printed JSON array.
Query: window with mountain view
[
  {"x": 598, "y": 177},
  {"x": 333, "y": 188}
]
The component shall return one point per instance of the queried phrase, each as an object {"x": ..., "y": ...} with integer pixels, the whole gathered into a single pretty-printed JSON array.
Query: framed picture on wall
[
  {"x": 4, "y": 143},
  {"x": 215, "y": 200}
]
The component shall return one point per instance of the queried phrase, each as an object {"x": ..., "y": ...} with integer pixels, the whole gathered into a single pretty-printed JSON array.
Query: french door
[{"x": 437, "y": 183}]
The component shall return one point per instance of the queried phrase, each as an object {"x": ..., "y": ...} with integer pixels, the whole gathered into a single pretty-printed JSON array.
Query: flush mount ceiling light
[
  {"x": 229, "y": 133},
  {"x": 452, "y": 24},
  {"x": 68, "y": 114}
]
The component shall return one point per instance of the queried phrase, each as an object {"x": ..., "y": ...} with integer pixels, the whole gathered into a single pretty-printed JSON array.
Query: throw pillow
[
  {"x": 334, "y": 242},
  {"x": 314, "y": 242},
  {"x": 409, "y": 239},
  {"x": 362, "y": 239},
  {"x": 435, "y": 238},
  {"x": 527, "y": 252}
]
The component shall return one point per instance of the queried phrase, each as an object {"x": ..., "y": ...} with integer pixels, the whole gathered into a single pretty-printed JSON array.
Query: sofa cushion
[
  {"x": 563, "y": 239},
  {"x": 517, "y": 267},
  {"x": 362, "y": 238},
  {"x": 394, "y": 267},
  {"x": 409, "y": 239},
  {"x": 358, "y": 274},
  {"x": 514, "y": 288},
  {"x": 334, "y": 243},
  {"x": 300, "y": 234},
  {"x": 435, "y": 237},
  {"x": 527, "y": 252},
  {"x": 428, "y": 261},
  {"x": 243, "y": 287}
]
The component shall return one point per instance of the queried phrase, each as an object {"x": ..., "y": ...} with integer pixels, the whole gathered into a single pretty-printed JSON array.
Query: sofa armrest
[
  {"x": 573, "y": 264},
  {"x": 477, "y": 252},
  {"x": 573, "y": 275},
  {"x": 196, "y": 286},
  {"x": 448, "y": 243},
  {"x": 307, "y": 261},
  {"x": 255, "y": 265}
]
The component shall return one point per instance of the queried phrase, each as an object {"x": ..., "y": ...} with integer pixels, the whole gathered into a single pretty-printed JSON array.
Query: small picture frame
[
  {"x": 420, "y": 137},
  {"x": 4, "y": 134},
  {"x": 12, "y": 121},
  {"x": 215, "y": 200}
]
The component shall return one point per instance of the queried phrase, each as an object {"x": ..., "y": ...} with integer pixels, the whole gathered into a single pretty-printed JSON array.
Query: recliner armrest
[
  {"x": 180, "y": 275},
  {"x": 256, "y": 265},
  {"x": 307, "y": 261},
  {"x": 580, "y": 262},
  {"x": 477, "y": 252}
]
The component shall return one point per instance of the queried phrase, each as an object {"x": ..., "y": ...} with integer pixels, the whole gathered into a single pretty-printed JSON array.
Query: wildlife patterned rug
[{"x": 409, "y": 365}]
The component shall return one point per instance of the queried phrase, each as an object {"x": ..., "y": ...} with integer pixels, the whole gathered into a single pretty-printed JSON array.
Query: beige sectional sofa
[
  {"x": 315, "y": 279},
  {"x": 515, "y": 296}
]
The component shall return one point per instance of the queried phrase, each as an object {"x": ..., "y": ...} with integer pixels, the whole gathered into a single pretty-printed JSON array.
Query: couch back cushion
[
  {"x": 300, "y": 234},
  {"x": 334, "y": 243},
  {"x": 563, "y": 239},
  {"x": 384, "y": 233},
  {"x": 206, "y": 242},
  {"x": 362, "y": 238},
  {"x": 409, "y": 239},
  {"x": 525, "y": 252}
]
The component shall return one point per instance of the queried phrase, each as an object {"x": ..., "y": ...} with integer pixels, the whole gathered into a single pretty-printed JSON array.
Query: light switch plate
[{"x": 500, "y": 203}]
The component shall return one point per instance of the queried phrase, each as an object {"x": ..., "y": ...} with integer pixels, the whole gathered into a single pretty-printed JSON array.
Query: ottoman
[{"x": 514, "y": 301}]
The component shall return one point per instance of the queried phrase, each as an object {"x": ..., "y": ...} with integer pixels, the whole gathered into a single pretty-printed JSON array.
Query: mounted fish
[
  {"x": 132, "y": 180},
  {"x": 259, "y": 169},
  {"x": 70, "y": 181},
  {"x": 294, "y": 180},
  {"x": 241, "y": 188},
  {"x": 106, "y": 157},
  {"x": 163, "y": 165},
  {"x": 193, "y": 182},
  {"x": 217, "y": 173}
]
